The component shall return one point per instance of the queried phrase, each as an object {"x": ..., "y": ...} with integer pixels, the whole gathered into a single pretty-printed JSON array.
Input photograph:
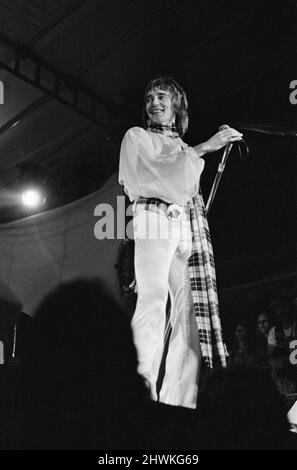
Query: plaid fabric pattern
[
  {"x": 202, "y": 279},
  {"x": 203, "y": 286},
  {"x": 169, "y": 131},
  {"x": 153, "y": 204}
]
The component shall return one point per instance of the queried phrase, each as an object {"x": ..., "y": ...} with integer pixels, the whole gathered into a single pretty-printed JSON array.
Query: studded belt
[{"x": 173, "y": 211}]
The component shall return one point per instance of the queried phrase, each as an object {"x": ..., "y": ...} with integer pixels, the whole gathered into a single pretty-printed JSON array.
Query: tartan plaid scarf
[
  {"x": 203, "y": 287},
  {"x": 169, "y": 130}
]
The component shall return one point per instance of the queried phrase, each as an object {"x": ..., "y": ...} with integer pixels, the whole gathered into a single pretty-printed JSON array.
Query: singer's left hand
[{"x": 218, "y": 140}]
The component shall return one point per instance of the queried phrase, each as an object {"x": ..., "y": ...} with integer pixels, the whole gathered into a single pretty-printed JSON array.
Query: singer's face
[{"x": 159, "y": 106}]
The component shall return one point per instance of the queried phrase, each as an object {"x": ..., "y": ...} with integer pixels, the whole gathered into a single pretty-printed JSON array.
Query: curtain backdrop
[{"x": 39, "y": 252}]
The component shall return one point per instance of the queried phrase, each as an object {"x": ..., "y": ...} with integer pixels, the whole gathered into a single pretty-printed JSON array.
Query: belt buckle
[{"x": 174, "y": 211}]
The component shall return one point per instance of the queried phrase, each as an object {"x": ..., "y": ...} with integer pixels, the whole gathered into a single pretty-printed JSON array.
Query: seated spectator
[
  {"x": 285, "y": 329},
  {"x": 241, "y": 350},
  {"x": 263, "y": 326},
  {"x": 279, "y": 339}
]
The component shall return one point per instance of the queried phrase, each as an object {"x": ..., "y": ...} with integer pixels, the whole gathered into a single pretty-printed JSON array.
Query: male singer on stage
[{"x": 173, "y": 251}]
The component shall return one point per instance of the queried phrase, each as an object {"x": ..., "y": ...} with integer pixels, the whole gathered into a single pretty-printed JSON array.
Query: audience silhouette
[{"x": 77, "y": 387}]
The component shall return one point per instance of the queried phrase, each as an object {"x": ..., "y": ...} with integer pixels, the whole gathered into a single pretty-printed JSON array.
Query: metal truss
[{"x": 48, "y": 79}]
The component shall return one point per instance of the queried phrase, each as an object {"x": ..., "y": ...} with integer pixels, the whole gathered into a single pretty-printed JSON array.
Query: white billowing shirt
[{"x": 155, "y": 165}]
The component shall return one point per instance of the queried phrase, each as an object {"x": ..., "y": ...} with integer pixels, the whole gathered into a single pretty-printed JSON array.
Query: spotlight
[
  {"x": 32, "y": 198},
  {"x": 31, "y": 186}
]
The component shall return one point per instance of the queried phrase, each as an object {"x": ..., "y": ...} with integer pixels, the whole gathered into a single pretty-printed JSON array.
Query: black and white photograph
[{"x": 148, "y": 273}]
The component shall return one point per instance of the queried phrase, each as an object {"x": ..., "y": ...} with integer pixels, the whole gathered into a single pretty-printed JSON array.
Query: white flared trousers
[{"x": 162, "y": 249}]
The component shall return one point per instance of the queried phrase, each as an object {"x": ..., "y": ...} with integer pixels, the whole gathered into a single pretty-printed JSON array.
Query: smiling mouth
[{"x": 156, "y": 111}]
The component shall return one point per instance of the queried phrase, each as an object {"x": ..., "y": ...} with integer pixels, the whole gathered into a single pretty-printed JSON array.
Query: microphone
[
  {"x": 220, "y": 170},
  {"x": 223, "y": 127},
  {"x": 227, "y": 150},
  {"x": 229, "y": 146},
  {"x": 221, "y": 166}
]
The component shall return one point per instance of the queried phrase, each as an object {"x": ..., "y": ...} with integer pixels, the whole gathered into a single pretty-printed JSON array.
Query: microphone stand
[{"x": 220, "y": 170}]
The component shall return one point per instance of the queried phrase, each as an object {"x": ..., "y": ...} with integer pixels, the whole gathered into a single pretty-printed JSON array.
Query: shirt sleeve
[{"x": 152, "y": 166}]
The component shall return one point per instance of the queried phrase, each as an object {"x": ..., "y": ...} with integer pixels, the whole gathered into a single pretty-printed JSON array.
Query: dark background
[{"x": 236, "y": 60}]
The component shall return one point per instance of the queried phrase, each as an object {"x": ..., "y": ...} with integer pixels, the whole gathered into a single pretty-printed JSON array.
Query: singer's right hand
[{"x": 222, "y": 138}]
